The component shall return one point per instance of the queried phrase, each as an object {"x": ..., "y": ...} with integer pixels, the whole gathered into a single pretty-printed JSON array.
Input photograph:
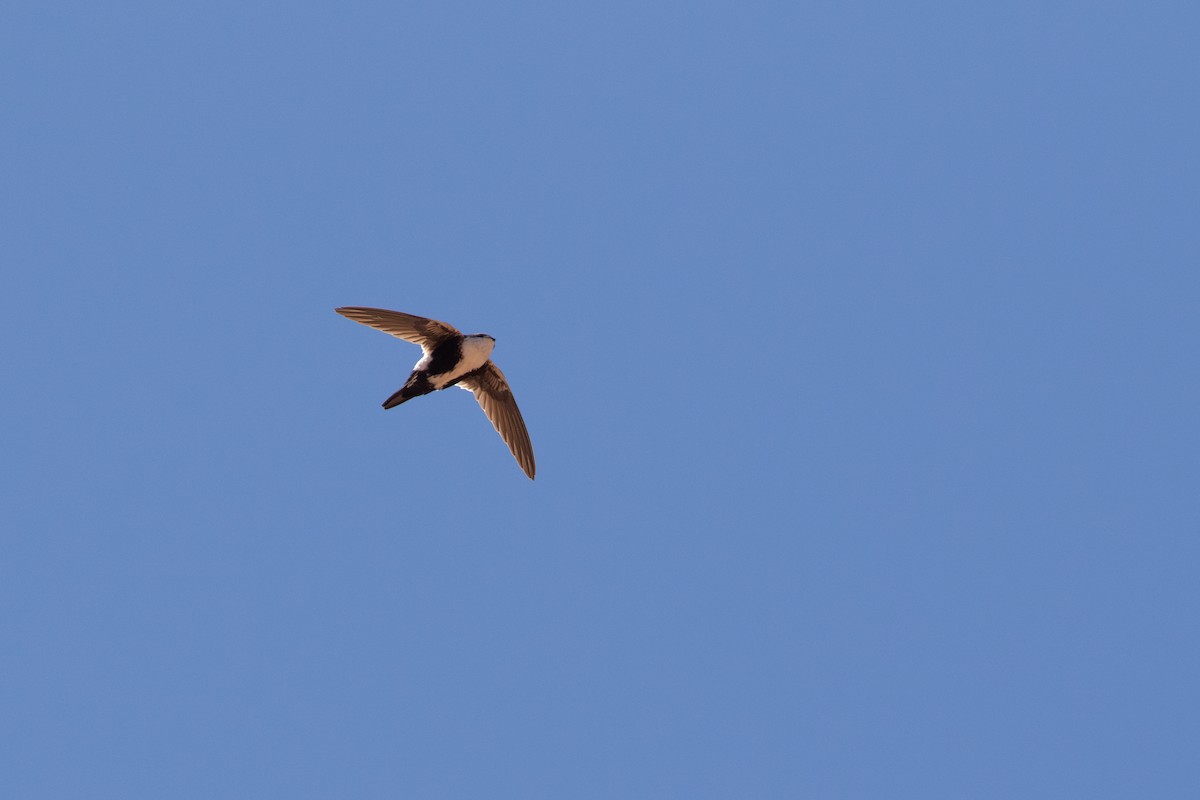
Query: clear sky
[{"x": 857, "y": 342}]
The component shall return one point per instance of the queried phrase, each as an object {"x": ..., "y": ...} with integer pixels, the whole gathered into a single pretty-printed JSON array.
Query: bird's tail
[{"x": 416, "y": 386}]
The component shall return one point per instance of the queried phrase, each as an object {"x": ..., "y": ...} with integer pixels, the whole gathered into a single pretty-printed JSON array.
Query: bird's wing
[
  {"x": 496, "y": 399},
  {"x": 418, "y": 330}
]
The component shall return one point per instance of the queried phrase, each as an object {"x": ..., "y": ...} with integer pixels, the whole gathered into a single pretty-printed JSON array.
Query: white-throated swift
[{"x": 451, "y": 358}]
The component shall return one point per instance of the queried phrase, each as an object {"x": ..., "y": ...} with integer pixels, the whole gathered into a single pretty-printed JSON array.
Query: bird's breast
[{"x": 472, "y": 354}]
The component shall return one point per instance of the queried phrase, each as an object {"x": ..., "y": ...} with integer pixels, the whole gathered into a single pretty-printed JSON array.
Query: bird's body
[
  {"x": 444, "y": 365},
  {"x": 450, "y": 358}
]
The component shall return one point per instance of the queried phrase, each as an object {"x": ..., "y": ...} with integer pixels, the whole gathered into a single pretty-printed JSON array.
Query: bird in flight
[{"x": 453, "y": 359}]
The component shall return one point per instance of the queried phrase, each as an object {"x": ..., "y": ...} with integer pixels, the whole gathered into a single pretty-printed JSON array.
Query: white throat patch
[{"x": 476, "y": 350}]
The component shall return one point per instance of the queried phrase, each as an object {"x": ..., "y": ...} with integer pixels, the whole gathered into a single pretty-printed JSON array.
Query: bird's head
[{"x": 482, "y": 342}]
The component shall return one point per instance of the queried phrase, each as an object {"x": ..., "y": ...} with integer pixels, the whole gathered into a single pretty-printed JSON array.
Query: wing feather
[
  {"x": 496, "y": 399},
  {"x": 418, "y": 330}
]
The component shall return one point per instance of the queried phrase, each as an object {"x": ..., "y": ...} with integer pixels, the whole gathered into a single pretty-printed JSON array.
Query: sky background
[{"x": 857, "y": 342}]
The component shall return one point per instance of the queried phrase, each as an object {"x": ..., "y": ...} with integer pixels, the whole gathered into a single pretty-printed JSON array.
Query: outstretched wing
[
  {"x": 496, "y": 399},
  {"x": 418, "y": 330}
]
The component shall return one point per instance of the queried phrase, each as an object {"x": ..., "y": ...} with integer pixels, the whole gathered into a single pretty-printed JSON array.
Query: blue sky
[{"x": 857, "y": 343}]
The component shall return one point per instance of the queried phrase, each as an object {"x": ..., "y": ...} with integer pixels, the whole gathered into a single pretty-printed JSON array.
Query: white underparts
[{"x": 475, "y": 353}]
